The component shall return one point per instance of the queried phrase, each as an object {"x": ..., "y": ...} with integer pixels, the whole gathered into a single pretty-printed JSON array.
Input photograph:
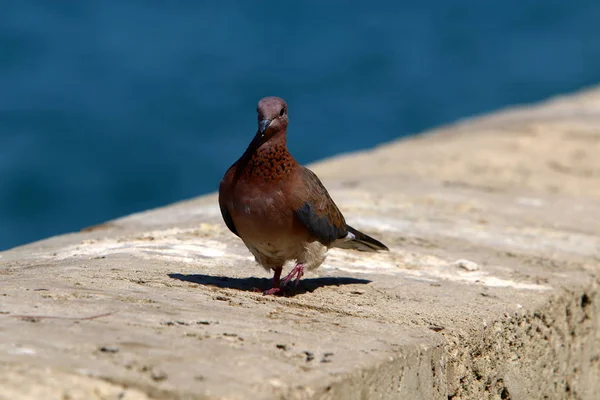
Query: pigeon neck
[
  {"x": 270, "y": 159},
  {"x": 276, "y": 142}
]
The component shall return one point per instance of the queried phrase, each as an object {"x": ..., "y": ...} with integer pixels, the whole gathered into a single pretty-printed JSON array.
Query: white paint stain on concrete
[
  {"x": 190, "y": 247},
  {"x": 510, "y": 238},
  {"x": 26, "y": 351},
  {"x": 424, "y": 268},
  {"x": 178, "y": 245}
]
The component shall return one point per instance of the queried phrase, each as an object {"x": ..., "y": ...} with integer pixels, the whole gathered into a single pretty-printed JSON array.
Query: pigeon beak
[{"x": 263, "y": 125}]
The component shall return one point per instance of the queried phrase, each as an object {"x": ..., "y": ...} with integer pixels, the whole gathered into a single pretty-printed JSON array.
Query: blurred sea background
[{"x": 116, "y": 106}]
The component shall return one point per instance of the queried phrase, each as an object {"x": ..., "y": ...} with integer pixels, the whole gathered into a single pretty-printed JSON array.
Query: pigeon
[{"x": 279, "y": 208}]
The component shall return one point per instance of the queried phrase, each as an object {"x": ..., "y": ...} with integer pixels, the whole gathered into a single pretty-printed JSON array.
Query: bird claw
[
  {"x": 298, "y": 272},
  {"x": 274, "y": 290},
  {"x": 279, "y": 289}
]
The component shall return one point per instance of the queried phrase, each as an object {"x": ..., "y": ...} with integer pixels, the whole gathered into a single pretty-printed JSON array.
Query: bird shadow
[{"x": 250, "y": 284}]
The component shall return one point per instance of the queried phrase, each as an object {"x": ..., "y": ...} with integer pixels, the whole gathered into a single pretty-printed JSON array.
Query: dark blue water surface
[{"x": 115, "y": 106}]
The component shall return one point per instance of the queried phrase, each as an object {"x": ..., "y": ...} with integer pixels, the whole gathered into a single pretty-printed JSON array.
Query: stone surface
[{"x": 490, "y": 289}]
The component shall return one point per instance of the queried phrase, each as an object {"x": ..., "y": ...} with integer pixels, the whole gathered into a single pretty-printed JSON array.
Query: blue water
[{"x": 115, "y": 106}]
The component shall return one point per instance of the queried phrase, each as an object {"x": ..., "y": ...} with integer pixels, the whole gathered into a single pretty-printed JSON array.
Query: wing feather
[{"x": 317, "y": 211}]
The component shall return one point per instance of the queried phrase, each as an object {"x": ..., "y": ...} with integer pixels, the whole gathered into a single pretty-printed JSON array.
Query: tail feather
[{"x": 359, "y": 241}]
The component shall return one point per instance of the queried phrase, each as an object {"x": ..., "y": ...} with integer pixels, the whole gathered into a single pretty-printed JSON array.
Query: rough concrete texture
[{"x": 490, "y": 289}]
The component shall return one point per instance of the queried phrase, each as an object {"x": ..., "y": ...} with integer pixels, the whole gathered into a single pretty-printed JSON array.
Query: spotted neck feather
[{"x": 268, "y": 162}]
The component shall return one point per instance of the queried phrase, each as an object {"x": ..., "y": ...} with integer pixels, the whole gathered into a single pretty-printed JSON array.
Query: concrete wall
[{"x": 490, "y": 289}]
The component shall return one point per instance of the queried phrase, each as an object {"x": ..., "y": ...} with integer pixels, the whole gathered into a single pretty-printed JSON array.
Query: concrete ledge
[{"x": 490, "y": 290}]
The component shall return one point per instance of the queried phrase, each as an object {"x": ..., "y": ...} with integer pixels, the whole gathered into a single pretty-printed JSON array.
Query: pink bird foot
[
  {"x": 276, "y": 288},
  {"x": 298, "y": 272},
  {"x": 273, "y": 290}
]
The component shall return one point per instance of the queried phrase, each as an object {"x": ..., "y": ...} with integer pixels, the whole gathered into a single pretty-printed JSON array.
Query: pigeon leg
[
  {"x": 275, "y": 289},
  {"x": 298, "y": 272}
]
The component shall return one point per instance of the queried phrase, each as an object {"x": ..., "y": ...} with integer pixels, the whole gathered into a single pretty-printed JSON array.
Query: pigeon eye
[{"x": 282, "y": 111}]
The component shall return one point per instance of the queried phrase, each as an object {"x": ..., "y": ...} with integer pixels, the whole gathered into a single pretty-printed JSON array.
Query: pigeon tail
[{"x": 359, "y": 241}]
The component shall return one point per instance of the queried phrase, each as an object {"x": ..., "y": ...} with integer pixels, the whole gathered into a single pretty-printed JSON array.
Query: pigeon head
[{"x": 272, "y": 117}]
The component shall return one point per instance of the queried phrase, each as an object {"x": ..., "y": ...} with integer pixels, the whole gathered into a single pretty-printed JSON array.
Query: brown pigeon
[{"x": 279, "y": 208}]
